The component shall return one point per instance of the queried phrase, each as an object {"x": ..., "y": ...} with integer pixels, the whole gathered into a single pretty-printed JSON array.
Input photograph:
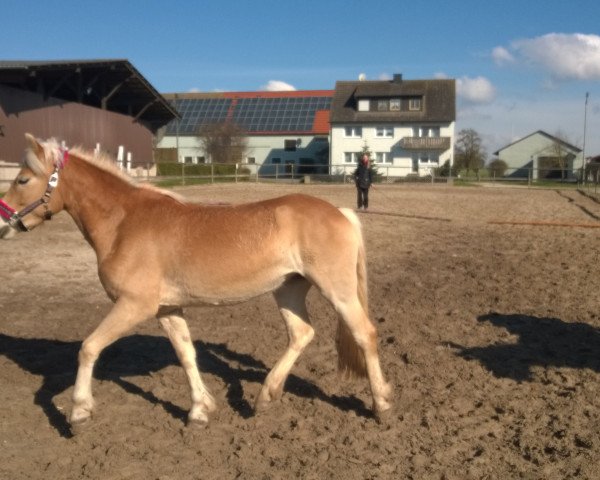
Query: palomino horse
[{"x": 135, "y": 232}]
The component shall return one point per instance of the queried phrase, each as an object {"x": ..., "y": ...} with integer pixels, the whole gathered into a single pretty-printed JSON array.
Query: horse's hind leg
[
  {"x": 179, "y": 335},
  {"x": 290, "y": 299},
  {"x": 363, "y": 333}
]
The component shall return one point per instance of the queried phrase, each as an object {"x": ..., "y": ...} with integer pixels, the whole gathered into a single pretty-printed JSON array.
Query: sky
[{"x": 520, "y": 66}]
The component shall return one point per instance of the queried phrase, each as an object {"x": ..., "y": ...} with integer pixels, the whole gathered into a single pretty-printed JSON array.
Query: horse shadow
[
  {"x": 543, "y": 341},
  {"x": 139, "y": 355}
]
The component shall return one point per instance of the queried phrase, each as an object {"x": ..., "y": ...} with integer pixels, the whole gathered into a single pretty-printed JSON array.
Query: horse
[{"x": 157, "y": 253}]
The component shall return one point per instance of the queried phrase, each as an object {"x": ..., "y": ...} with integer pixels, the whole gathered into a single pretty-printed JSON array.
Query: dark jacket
[{"x": 363, "y": 176}]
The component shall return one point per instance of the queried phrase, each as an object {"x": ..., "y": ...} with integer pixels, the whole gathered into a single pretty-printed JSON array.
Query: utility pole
[{"x": 587, "y": 94}]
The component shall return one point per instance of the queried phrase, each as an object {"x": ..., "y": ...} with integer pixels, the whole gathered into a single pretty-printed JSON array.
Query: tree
[
  {"x": 372, "y": 164},
  {"x": 469, "y": 153},
  {"x": 223, "y": 142},
  {"x": 498, "y": 167},
  {"x": 560, "y": 153}
]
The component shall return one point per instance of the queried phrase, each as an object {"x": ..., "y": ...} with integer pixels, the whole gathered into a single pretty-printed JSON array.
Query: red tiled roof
[{"x": 321, "y": 122}]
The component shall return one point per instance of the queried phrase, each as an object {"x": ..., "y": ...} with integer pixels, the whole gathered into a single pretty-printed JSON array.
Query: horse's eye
[{"x": 22, "y": 180}]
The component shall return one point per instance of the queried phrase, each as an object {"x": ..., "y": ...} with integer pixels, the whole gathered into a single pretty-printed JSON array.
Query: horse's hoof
[
  {"x": 197, "y": 423},
  {"x": 383, "y": 416},
  {"x": 80, "y": 425},
  {"x": 261, "y": 405}
]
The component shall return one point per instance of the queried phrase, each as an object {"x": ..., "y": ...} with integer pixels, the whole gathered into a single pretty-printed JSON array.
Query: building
[
  {"x": 541, "y": 155},
  {"x": 408, "y": 125},
  {"x": 91, "y": 103},
  {"x": 284, "y": 129}
]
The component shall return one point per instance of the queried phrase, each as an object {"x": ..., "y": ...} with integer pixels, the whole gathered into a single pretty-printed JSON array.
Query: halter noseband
[{"x": 14, "y": 218}]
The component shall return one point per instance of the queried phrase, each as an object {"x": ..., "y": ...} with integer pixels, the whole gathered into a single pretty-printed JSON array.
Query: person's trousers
[{"x": 362, "y": 197}]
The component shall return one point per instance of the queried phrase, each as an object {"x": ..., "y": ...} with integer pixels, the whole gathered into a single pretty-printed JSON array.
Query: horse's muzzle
[{"x": 6, "y": 231}]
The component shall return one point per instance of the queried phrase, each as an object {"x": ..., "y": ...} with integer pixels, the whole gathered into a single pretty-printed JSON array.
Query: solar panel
[
  {"x": 278, "y": 115},
  {"x": 196, "y": 112}
]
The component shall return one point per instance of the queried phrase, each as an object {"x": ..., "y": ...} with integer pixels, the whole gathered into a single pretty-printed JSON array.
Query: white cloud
[
  {"x": 502, "y": 56},
  {"x": 563, "y": 56},
  {"x": 475, "y": 90},
  {"x": 277, "y": 86}
]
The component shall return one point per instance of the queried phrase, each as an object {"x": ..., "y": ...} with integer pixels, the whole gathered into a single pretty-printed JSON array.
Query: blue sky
[{"x": 520, "y": 66}]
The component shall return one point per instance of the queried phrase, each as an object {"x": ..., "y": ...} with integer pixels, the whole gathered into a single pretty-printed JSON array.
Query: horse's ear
[{"x": 34, "y": 145}]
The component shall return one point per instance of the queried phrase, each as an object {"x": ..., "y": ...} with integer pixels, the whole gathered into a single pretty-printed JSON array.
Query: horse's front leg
[
  {"x": 125, "y": 314},
  {"x": 175, "y": 326}
]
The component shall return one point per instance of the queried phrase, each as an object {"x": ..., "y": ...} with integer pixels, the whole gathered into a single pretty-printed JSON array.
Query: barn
[
  {"x": 103, "y": 104},
  {"x": 540, "y": 155}
]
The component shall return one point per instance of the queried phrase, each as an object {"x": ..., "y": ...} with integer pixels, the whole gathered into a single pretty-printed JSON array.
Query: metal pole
[{"x": 587, "y": 94}]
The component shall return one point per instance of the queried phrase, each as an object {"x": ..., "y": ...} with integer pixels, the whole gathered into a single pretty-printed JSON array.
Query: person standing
[{"x": 363, "y": 178}]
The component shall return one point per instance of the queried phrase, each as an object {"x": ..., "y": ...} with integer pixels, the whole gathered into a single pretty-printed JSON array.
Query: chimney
[{"x": 397, "y": 78}]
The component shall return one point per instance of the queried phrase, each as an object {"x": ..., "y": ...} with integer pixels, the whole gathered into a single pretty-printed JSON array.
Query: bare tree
[
  {"x": 560, "y": 153},
  {"x": 223, "y": 142},
  {"x": 469, "y": 151}
]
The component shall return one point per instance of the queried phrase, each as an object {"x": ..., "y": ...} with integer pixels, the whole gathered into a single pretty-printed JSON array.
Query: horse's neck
[{"x": 95, "y": 198}]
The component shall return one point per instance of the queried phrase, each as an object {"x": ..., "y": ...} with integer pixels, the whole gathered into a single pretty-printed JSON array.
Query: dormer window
[
  {"x": 395, "y": 105},
  {"x": 414, "y": 104},
  {"x": 382, "y": 105},
  {"x": 363, "y": 105}
]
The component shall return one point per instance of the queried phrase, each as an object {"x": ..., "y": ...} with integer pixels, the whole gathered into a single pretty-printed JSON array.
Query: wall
[
  {"x": 262, "y": 148},
  {"x": 401, "y": 159},
  {"x": 524, "y": 154},
  {"x": 77, "y": 124}
]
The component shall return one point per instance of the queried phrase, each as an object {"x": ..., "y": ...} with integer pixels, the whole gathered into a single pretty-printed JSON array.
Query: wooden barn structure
[{"x": 86, "y": 103}]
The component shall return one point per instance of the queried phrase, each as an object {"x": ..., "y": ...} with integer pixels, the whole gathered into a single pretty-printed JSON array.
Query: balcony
[{"x": 425, "y": 143}]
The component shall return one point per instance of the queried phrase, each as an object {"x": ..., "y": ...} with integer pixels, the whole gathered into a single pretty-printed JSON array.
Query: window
[
  {"x": 426, "y": 157},
  {"x": 351, "y": 157},
  {"x": 251, "y": 160},
  {"x": 188, "y": 159},
  {"x": 276, "y": 160},
  {"x": 383, "y": 105},
  {"x": 383, "y": 157},
  {"x": 395, "y": 105},
  {"x": 414, "y": 104},
  {"x": 200, "y": 159},
  {"x": 354, "y": 132},
  {"x": 290, "y": 145},
  {"x": 426, "y": 132},
  {"x": 384, "y": 132},
  {"x": 363, "y": 105}
]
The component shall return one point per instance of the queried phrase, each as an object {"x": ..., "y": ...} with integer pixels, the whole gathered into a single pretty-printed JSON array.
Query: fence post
[
  {"x": 236, "y": 168},
  {"x": 276, "y": 171},
  {"x": 529, "y": 173},
  {"x": 212, "y": 173},
  {"x": 183, "y": 173}
]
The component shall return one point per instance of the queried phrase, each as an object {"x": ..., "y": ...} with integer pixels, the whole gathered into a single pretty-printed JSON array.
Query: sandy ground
[{"x": 490, "y": 334}]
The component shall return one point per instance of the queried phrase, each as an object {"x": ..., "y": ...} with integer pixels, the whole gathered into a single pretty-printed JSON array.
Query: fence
[{"x": 173, "y": 174}]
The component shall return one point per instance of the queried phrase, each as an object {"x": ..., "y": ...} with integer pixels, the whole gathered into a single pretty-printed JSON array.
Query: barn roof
[
  {"x": 112, "y": 84},
  {"x": 298, "y": 112},
  {"x": 552, "y": 138}
]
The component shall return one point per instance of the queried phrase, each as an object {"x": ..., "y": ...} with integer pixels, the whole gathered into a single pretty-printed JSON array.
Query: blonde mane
[{"x": 53, "y": 151}]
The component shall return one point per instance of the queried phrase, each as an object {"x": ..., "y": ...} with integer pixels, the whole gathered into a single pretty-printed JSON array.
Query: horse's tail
[{"x": 351, "y": 359}]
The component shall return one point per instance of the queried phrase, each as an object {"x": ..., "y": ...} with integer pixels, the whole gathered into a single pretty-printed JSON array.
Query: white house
[{"x": 408, "y": 125}]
